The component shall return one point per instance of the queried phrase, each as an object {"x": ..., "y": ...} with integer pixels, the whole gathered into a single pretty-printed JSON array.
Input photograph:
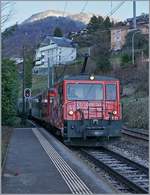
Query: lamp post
[
  {"x": 50, "y": 71},
  {"x": 133, "y": 45}
]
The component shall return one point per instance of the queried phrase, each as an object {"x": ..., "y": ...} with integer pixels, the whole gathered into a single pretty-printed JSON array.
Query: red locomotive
[{"x": 81, "y": 108}]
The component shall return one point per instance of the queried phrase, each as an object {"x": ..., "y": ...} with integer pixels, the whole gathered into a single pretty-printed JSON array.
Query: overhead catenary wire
[
  {"x": 65, "y": 6},
  {"x": 83, "y": 8},
  {"x": 115, "y": 9}
]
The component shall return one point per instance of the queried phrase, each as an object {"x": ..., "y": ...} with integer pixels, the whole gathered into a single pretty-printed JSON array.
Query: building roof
[
  {"x": 141, "y": 18},
  {"x": 129, "y": 27},
  {"x": 60, "y": 41}
]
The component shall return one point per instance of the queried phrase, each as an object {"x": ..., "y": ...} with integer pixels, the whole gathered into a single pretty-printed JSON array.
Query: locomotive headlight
[
  {"x": 70, "y": 112},
  {"x": 114, "y": 112},
  {"x": 92, "y": 77}
]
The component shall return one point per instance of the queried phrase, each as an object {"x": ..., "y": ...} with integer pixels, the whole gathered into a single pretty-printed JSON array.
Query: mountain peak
[{"x": 82, "y": 17}]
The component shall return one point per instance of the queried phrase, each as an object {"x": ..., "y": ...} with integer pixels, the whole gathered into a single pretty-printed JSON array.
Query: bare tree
[{"x": 6, "y": 11}]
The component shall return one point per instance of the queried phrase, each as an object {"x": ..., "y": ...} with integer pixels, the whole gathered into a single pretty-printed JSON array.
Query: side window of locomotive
[
  {"x": 111, "y": 92},
  {"x": 60, "y": 94}
]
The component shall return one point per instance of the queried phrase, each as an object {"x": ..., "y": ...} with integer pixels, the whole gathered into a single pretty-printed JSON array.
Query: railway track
[
  {"x": 138, "y": 134},
  {"x": 132, "y": 175}
]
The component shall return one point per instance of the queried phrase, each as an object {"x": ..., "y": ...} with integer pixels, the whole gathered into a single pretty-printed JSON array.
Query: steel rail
[
  {"x": 120, "y": 167},
  {"x": 135, "y": 133}
]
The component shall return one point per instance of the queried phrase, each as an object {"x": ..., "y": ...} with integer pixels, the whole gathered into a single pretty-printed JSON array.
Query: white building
[{"x": 60, "y": 51}]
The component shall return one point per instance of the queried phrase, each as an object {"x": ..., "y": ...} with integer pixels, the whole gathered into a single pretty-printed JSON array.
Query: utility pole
[
  {"x": 142, "y": 54},
  {"x": 23, "y": 87},
  {"x": 48, "y": 71},
  {"x": 134, "y": 14},
  {"x": 52, "y": 69},
  {"x": 89, "y": 51}
]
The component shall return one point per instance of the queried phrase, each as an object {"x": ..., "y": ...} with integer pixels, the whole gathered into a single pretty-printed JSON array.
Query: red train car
[{"x": 82, "y": 108}]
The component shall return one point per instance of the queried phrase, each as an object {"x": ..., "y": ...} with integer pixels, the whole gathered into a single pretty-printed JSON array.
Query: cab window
[
  {"x": 60, "y": 94},
  {"x": 111, "y": 92},
  {"x": 84, "y": 91}
]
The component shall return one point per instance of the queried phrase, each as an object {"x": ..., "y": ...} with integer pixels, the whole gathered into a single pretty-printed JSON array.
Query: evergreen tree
[
  {"x": 98, "y": 38},
  {"x": 9, "y": 31},
  {"x": 100, "y": 21},
  {"x": 102, "y": 51},
  {"x": 9, "y": 91},
  {"x": 97, "y": 23},
  {"x": 107, "y": 23},
  {"x": 93, "y": 24},
  {"x": 58, "y": 32}
]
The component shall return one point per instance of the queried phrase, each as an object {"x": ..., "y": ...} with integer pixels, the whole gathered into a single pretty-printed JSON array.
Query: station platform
[{"x": 38, "y": 163}]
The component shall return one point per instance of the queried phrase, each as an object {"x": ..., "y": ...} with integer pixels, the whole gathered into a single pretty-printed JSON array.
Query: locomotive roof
[{"x": 86, "y": 77}]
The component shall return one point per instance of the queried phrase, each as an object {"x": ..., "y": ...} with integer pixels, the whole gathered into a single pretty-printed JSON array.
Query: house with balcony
[{"x": 54, "y": 51}]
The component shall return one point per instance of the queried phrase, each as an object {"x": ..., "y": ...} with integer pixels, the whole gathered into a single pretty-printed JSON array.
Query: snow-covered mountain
[
  {"x": 36, "y": 28},
  {"x": 83, "y": 17},
  {"x": 40, "y": 25}
]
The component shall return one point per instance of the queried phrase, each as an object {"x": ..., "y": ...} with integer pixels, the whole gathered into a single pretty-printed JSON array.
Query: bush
[
  {"x": 135, "y": 113},
  {"x": 9, "y": 92},
  {"x": 125, "y": 60},
  {"x": 104, "y": 65}
]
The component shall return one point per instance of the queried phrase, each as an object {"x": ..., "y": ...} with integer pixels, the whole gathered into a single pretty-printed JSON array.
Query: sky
[{"x": 24, "y": 9}]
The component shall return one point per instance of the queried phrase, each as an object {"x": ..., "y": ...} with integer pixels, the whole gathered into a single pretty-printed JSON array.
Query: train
[{"x": 82, "y": 109}]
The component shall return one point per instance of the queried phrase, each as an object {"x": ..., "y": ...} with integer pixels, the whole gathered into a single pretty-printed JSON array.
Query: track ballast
[{"x": 133, "y": 175}]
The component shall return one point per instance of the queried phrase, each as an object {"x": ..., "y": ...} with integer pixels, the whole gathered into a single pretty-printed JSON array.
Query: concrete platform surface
[{"x": 38, "y": 163}]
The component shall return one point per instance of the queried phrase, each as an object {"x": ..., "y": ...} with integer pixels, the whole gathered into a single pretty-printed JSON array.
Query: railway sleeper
[
  {"x": 111, "y": 161},
  {"x": 119, "y": 176},
  {"x": 143, "y": 176},
  {"x": 120, "y": 165},
  {"x": 141, "y": 180}
]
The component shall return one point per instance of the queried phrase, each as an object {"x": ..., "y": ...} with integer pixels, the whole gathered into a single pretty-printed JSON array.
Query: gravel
[
  {"x": 116, "y": 185},
  {"x": 133, "y": 149},
  {"x": 101, "y": 173}
]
